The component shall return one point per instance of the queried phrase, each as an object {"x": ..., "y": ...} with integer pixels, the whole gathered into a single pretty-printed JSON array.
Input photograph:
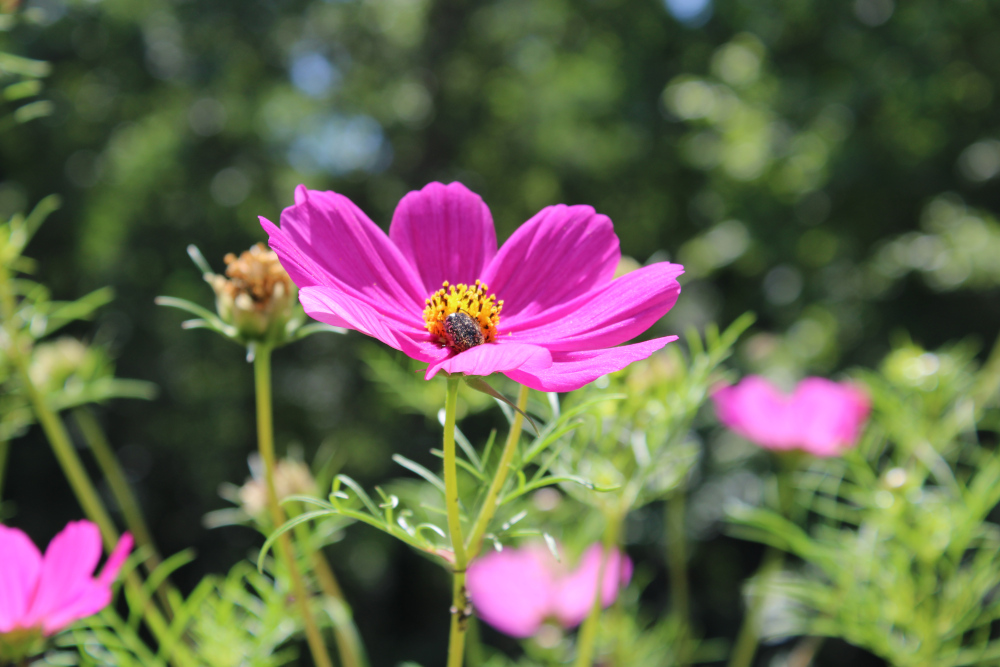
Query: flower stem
[
  {"x": 460, "y": 603},
  {"x": 115, "y": 476},
  {"x": 122, "y": 492},
  {"x": 677, "y": 564},
  {"x": 491, "y": 503},
  {"x": 76, "y": 475},
  {"x": 588, "y": 633},
  {"x": 86, "y": 494},
  {"x": 62, "y": 447},
  {"x": 265, "y": 442},
  {"x": 345, "y": 633},
  {"x": 749, "y": 636}
]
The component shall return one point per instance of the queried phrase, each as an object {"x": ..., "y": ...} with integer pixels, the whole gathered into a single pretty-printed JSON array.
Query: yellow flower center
[{"x": 478, "y": 314}]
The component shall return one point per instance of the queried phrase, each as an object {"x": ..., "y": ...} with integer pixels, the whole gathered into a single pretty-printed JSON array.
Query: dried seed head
[{"x": 256, "y": 295}]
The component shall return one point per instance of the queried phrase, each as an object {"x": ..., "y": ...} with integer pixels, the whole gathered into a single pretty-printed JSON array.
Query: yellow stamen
[{"x": 474, "y": 300}]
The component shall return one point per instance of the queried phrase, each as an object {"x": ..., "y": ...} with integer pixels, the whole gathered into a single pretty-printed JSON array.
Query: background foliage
[{"x": 832, "y": 166}]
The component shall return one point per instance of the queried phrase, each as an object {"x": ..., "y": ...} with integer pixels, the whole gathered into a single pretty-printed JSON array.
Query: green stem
[
  {"x": 749, "y": 636},
  {"x": 460, "y": 604},
  {"x": 474, "y": 645},
  {"x": 62, "y": 447},
  {"x": 677, "y": 564},
  {"x": 265, "y": 442},
  {"x": 345, "y": 633},
  {"x": 492, "y": 502},
  {"x": 76, "y": 475},
  {"x": 588, "y": 633},
  {"x": 122, "y": 492},
  {"x": 115, "y": 476}
]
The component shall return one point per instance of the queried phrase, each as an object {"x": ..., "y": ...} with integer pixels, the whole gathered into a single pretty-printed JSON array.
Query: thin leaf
[
  {"x": 463, "y": 464},
  {"x": 463, "y": 442},
  {"x": 360, "y": 492},
  {"x": 199, "y": 260},
  {"x": 550, "y": 542},
  {"x": 481, "y": 385},
  {"x": 415, "y": 467},
  {"x": 285, "y": 527},
  {"x": 549, "y": 481}
]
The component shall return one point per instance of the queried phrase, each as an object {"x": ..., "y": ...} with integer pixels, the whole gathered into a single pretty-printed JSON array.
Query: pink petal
[
  {"x": 329, "y": 305},
  {"x": 607, "y": 316},
  {"x": 20, "y": 564},
  {"x": 115, "y": 561},
  {"x": 758, "y": 411},
  {"x": 324, "y": 239},
  {"x": 446, "y": 232},
  {"x": 559, "y": 254},
  {"x": 494, "y": 358},
  {"x": 576, "y": 591},
  {"x": 511, "y": 590},
  {"x": 821, "y": 417},
  {"x": 572, "y": 370},
  {"x": 67, "y": 571},
  {"x": 89, "y": 599},
  {"x": 830, "y": 415}
]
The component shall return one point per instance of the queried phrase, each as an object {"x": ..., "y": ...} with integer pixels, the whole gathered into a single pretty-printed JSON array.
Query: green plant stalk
[
  {"x": 677, "y": 565},
  {"x": 749, "y": 635},
  {"x": 122, "y": 492},
  {"x": 62, "y": 447},
  {"x": 115, "y": 476},
  {"x": 345, "y": 633},
  {"x": 265, "y": 442},
  {"x": 587, "y": 639},
  {"x": 492, "y": 501},
  {"x": 460, "y": 603},
  {"x": 76, "y": 475}
]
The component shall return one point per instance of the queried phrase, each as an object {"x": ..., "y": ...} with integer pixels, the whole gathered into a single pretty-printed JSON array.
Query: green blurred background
[{"x": 832, "y": 166}]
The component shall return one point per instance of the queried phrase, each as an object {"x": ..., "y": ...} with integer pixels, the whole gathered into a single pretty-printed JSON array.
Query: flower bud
[
  {"x": 291, "y": 478},
  {"x": 55, "y": 363},
  {"x": 256, "y": 295}
]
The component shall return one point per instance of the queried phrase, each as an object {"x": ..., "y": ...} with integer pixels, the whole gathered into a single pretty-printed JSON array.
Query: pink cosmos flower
[
  {"x": 436, "y": 285},
  {"x": 515, "y": 590},
  {"x": 50, "y": 592},
  {"x": 821, "y": 417}
]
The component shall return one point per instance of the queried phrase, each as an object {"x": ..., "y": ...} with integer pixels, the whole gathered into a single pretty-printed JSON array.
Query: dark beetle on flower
[{"x": 462, "y": 331}]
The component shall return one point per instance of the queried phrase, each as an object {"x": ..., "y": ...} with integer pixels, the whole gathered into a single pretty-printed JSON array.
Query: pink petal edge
[
  {"x": 20, "y": 565},
  {"x": 606, "y": 316},
  {"x": 446, "y": 232},
  {"x": 572, "y": 370},
  {"x": 499, "y": 357},
  {"x": 559, "y": 254}
]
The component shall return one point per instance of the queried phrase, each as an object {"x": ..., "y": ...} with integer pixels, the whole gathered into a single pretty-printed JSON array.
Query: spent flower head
[
  {"x": 255, "y": 295},
  {"x": 256, "y": 301}
]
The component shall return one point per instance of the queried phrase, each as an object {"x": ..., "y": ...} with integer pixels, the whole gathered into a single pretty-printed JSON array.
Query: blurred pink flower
[
  {"x": 515, "y": 590},
  {"x": 821, "y": 417},
  {"x": 436, "y": 285},
  {"x": 50, "y": 592}
]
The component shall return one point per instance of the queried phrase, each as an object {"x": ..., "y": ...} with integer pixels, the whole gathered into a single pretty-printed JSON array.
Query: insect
[{"x": 462, "y": 332}]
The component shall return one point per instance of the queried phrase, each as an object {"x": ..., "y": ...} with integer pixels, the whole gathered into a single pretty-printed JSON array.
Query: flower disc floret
[{"x": 473, "y": 300}]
